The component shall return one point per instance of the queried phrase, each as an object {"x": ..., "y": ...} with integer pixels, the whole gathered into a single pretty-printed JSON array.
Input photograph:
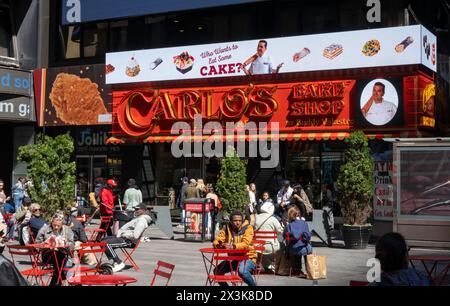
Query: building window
[
  {"x": 95, "y": 39},
  {"x": 6, "y": 42}
]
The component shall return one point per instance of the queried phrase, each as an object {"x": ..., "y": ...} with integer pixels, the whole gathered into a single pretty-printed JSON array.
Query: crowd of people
[{"x": 21, "y": 221}]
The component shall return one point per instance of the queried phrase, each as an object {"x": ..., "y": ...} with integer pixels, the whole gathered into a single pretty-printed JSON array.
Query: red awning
[{"x": 274, "y": 137}]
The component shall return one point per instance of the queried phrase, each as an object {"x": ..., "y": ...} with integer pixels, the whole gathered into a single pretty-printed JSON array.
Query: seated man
[
  {"x": 237, "y": 235},
  {"x": 127, "y": 236}
]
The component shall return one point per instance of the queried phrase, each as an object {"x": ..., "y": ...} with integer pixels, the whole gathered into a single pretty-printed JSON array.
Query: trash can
[{"x": 198, "y": 219}]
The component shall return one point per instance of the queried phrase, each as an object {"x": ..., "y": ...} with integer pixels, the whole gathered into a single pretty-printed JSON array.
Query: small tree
[
  {"x": 51, "y": 171},
  {"x": 231, "y": 183},
  {"x": 355, "y": 181}
]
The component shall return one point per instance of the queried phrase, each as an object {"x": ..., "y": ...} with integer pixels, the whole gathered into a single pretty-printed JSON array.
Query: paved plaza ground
[{"x": 343, "y": 264}]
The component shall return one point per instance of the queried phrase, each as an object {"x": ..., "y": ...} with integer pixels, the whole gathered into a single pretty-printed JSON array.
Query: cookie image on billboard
[{"x": 76, "y": 100}]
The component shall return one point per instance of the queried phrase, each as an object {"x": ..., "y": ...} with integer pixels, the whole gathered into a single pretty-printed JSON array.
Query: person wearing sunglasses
[{"x": 36, "y": 221}]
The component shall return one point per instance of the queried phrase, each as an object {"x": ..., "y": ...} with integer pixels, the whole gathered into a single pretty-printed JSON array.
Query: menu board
[
  {"x": 395, "y": 46},
  {"x": 384, "y": 191}
]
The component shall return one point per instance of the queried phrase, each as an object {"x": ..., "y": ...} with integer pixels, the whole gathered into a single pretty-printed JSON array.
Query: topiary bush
[
  {"x": 355, "y": 181},
  {"x": 231, "y": 183}
]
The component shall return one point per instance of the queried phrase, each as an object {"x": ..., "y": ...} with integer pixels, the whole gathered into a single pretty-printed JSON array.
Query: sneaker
[
  {"x": 118, "y": 267},
  {"x": 303, "y": 219},
  {"x": 145, "y": 239}
]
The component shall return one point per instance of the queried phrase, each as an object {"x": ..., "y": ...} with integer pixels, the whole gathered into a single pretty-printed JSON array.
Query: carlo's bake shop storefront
[{"x": 307, "y": 92}]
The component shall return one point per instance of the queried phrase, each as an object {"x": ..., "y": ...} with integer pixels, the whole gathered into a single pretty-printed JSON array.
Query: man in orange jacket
[{"x": 237, "y": 235}]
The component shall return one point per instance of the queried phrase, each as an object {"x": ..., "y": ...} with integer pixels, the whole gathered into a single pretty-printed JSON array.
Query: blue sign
[{"x": 76, "y": 11}]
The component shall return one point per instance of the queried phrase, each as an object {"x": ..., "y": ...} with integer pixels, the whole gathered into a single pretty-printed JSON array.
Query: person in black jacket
[
  {"x": 9, "y": 275},
  {"x": 79, "y": 234}
]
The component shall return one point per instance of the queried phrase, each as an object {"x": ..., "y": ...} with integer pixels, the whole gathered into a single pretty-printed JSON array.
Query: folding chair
[
  {"x": 267, "y": 236},
  {"x": 234, "y": 278},
  {"x": 96, "y": 248},
  {"x": 354, "y": 283},
  {"x": 164, "y": 274},
  {"x": 35, "y": 272},
  {"x": 128, "y": 254},
  {"x": 259, "y": 248},
  {"x": 100, "y": 232}
]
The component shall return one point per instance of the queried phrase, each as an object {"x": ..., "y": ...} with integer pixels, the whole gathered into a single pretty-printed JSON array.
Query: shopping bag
[{"x": 316, "y": 266}]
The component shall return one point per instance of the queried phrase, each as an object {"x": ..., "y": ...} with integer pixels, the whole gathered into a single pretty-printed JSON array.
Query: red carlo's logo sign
[
  {"x": 140, "y": 112},
  {"x": 146, "y": 111}
]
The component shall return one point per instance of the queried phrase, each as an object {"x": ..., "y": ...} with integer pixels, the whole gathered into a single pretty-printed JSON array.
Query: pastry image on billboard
[
  {"x": 333, "y": 51},
  {"x": 109, "y": 68},
  {"x": 183, "y": 62},
  {"x": 371, "y": 48},
  {"x": 299, "y": 55},
  {"x": 404, "y": 44},
  {"x": 132, "y": 68},
  {"x": 76, "y": 100}
]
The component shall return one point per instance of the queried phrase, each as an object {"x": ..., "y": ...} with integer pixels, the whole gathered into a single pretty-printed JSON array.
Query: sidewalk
[{"x": 343, "y": 264}]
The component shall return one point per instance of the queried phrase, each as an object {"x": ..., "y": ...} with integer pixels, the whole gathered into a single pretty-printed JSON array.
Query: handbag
[{"x": 316, "y": 266}]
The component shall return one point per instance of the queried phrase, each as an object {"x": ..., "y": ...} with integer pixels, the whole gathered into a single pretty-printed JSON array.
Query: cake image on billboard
[
  {"x": 184, "y": 62},
  {"x": 133, "y": 67},
  {"x": 76, "y": 100},
  {"x": 333, "y": 51}
]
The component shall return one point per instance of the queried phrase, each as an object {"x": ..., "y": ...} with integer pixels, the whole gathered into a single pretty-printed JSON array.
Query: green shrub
[
  {"x": 51, "y": 172},
  {"x": 355, "y": 181}
]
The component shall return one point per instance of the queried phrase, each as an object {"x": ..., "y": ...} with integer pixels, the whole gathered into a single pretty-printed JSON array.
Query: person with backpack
[
  {"x": 107, "y": 202},
  {"x": 265, "y": 221}
]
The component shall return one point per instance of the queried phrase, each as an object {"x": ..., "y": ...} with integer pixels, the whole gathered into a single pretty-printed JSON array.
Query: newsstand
[{"x": 198, "y": 219}]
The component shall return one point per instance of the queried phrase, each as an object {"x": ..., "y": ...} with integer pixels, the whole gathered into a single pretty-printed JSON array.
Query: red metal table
[
  {"x": 41, "y": 247},
  {"x": 209, "y": 261},
  {"x": 435, "y": 259},
  {"x": 101, "y": 280}
]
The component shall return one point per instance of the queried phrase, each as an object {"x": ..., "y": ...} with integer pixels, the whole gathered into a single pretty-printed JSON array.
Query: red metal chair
[
  {"x": 96, "y": 248},
  {"x": 234, "y": 278},
  {"x": 354, "y": 283},
  {"x": 158, "y": 272},
  {"x": 35, "y": 272},
  {"x": 100, "y": 232},
  {"x": 127, "y": 252},
  {"x": 259, "y": 248},
  {"x": 267, "y": 237}
]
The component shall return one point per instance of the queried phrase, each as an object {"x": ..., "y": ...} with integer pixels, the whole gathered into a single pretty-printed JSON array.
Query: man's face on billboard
[
  {"x": 378, "y": 93},
  {"x": 261, "y": 48}
]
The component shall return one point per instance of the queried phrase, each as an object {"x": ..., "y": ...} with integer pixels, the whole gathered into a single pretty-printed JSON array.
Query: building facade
[{"x": 314, "y": 125}]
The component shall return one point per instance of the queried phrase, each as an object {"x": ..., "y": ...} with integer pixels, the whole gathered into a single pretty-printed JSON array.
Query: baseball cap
[{"x": 140, "y": 206}]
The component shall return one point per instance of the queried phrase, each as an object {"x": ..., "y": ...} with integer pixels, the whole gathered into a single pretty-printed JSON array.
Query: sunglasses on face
[{"x": 36, "y": 210}]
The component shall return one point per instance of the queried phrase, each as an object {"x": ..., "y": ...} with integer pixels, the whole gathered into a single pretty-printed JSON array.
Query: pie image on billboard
[
  {"x": 76, "y": 100},
  {"x": 183, "y": 62},
  {"x": 371, "y": 48},
  {"x": 333, "y": 51}
]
